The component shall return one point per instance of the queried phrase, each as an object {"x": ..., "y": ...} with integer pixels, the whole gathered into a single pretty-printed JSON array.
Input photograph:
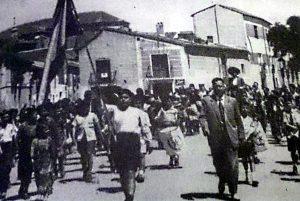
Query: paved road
[{"x": 196, "y": 180}]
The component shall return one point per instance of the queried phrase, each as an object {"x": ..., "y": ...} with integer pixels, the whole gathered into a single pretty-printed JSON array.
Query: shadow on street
[
  {"x": 282, "y": 173},
  {"x": 63, "y": 181},
  {"x": 162, "y": 167},
  {"x": 102, "y": 172},
  {"x": 193, "y": 196},
  {"x": 285, "y": 162},
  {"x": 210, "y": 173},
  {"x": 297, "y": 180},
  {"x": 110, "y": 189},
  {"x": 16, "y": 197}
]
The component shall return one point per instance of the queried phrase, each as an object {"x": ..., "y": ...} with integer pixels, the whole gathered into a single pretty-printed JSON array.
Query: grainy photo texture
[{"x": 149, "y": 100}]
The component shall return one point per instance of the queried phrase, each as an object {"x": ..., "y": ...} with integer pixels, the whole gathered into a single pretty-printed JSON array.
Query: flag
[{"x": 65, "y": 24}]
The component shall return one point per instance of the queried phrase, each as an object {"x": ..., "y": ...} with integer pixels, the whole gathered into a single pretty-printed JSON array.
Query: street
[{"x": 196, "y": 180}]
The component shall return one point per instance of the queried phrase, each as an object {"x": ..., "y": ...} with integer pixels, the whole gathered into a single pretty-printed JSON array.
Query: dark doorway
[
  {"x": 103, "y": 71},
  {"x": 162, "y": 88},
  {"x": 160, "y": 65}
]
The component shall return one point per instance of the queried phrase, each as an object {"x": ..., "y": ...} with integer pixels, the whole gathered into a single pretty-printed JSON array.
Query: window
[
  {"x": 265, "y": 33},
  {"x": 259, "y": 58},
  {"x": 160, "y": 65},
  {"x": 265, "y": 59},
  {"x": 254, "y": 58},
  {"x": 249, "y": 30},
  {"x": 103, "y": 71},
  {"x": 210, "y": 39},
  {"x": 255, "y": 31},
  {"x": 243, "y": 68}
]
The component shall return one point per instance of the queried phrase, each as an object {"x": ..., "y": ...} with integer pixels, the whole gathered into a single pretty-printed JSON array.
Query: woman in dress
[
  {"x": 170, "y": 133},
  {"x": 128, "y": 123},
  {"x": 41, "y": 151}
]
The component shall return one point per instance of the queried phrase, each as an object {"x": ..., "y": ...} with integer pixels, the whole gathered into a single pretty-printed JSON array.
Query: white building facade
[
  {"x": 235, "y": 28},
  {"x": 154, "y": 63}
]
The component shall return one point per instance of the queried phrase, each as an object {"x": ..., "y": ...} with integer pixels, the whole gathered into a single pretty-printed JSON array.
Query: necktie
[
  {"x": 221, "y": 108},
  {"x": 291, "y": 119}
]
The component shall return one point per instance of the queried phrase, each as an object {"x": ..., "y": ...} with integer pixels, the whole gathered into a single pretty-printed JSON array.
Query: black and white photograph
[{"x": 149, "y": 100}]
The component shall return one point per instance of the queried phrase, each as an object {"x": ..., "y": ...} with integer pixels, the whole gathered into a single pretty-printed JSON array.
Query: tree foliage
[
  {"x": 294, "y": 36},
  {"x": 278, "y": 39},
  {"x": 286, "y": 39}
]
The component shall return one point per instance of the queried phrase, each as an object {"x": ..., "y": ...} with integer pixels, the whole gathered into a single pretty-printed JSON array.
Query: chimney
[
  {"x": 160, "y": 29},
  {"x": 14, "y": 32}
]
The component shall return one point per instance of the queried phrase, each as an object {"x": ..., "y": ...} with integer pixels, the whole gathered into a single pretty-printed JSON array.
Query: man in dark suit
[{"x": 224, "y": 129}]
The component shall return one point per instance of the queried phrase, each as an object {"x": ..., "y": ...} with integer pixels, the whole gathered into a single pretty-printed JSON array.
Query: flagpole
[
  {"x": 44, "y": 82},
  {"x": 52, "y": 51}
]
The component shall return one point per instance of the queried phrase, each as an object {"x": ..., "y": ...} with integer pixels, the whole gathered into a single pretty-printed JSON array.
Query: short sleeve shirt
[
  {"x": 129, "y": 120},
  {"x": 88, "y": 124},
  {"x": 170, "y": 115},
  {"x": 7, "y": 133}
]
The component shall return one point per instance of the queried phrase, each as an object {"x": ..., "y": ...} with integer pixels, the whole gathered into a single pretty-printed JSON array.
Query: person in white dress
[{"x": 169, "y": 131}]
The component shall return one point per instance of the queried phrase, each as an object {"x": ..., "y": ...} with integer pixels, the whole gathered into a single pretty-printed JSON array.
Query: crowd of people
[{"x": 232, "y": 115}]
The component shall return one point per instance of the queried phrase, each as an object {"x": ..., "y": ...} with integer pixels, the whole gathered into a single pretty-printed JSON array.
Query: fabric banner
[{"x": 65, "y": 24}]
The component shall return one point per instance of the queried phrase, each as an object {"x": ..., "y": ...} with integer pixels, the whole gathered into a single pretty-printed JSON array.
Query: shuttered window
[
  {"x": 255, "y": 31},
  {"x": 103, "y": 71},
  {"x": 250, "y": 30},
  {"x": 160, "y": 66}
]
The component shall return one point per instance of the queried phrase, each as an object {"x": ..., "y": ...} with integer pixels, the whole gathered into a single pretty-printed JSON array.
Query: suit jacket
[{"x": 212, "y": 122}]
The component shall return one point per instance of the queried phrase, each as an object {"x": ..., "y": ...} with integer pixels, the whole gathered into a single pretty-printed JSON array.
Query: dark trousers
[
  {"x": 86, "y": 150},
  {"x": 225, "y": 161},
  {"x": 24, "y": 173},
  {"x": 294, "y": 157},
  {"x": 294, "y": 148},
  {"x": 4, "y": 178},
  {"x": 58, "y": 164},
  {"x": 127, "y": 151},
  {"x": 24, "y": 187},
  {"x": 127, "y": 155},
  {"x": 143, "y": 162},
  {"x": 192, "y": 127},
  {"x": 5, "y": 165},
  {"x": 127, "y": 177},
  {"x": 276, "y": 130}
]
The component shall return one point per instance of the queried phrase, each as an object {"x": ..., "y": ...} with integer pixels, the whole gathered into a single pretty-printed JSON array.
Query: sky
[{"x": 144, "y": 14}]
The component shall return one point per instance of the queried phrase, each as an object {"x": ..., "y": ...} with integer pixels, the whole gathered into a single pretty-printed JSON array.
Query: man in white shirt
[
  {"x": 86, "y": 125},
  {"x": 7, "y": 133},
  {"x": 127, "y": 122}
]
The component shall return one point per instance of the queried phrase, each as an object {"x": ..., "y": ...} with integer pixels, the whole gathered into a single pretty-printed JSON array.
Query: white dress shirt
[{"x": 7, "y": 133}]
